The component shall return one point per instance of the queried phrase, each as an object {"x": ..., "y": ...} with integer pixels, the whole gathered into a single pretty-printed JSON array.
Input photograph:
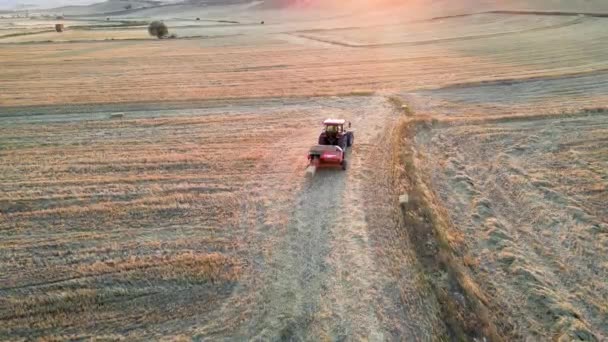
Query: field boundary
[
  {"x": 142, "y": 106},
  {"x": 93, "y": 41},
  {"x": 511, "y": 12},
  {"x": 521, "y": 80},
  {"x": 524, "y": 12},
  {"x": 439, "y": 40},
  {"x": 556, "y": 13},
  {"x": 464, "y": 306}
]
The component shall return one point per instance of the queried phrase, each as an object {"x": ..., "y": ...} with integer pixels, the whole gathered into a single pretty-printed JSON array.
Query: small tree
[{"x": 158, "y": 29}]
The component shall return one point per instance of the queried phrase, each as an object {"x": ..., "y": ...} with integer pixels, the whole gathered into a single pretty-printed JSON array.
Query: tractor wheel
[
  {"x": 351, "y": 139},
  {"x": 344, "y": 164},
  {"x": 343, "y": 142},
  {"x": 323, "y": 140}
]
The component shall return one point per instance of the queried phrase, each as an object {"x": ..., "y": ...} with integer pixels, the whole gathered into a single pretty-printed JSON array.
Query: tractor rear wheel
[
  {"x": 323, "y": 140},
  {"x": 344, "y": 164},
  {"x": 351, "y": 139},
  {"x": 343, "y": 142}
]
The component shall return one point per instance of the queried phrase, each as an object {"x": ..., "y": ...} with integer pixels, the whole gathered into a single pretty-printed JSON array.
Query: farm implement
[{"x": 330, "y": 152}]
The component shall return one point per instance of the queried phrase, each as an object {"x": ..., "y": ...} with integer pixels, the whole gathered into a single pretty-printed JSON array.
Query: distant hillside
[
  {"x": 109, "y": 6},
  {"x": 215, "y": 2},
  {"x": 125, "y": 7},
  {"x": 423, "y": 7},
  {"x": 544, "y": 5}
]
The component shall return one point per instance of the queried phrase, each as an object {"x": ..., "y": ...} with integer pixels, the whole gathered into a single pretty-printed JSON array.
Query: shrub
[{"x": 158, "y": 29}]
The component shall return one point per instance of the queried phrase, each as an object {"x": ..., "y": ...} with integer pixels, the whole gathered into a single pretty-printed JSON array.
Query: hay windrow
[
  {"x": 464, "y": 305},
  {"x": 468, "y": 255}
]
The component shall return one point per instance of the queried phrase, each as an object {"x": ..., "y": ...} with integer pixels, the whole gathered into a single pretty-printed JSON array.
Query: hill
[{"x": 109, "y": 6}]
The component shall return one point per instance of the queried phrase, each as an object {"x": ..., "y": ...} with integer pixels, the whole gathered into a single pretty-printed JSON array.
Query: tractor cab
[
  {"x": 335, "y": 134},
  {"x": 334, "y": 126}
]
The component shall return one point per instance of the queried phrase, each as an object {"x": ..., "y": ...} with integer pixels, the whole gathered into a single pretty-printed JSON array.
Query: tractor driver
[
  {"x": 332, "y": 134},
  {"x": 331, "y": 129}
]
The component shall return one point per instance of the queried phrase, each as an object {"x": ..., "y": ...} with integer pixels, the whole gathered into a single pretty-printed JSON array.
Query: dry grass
[
  {"x": 491, "y": 245},
  {"x": 213, "y": 267},
  {"x": 133, "y": 215},
  {"x": 176, "y": 218},
  {"x": 475, "y": 232},
  {"x": 522, "y": 265},
  {"x": 186, "y": 217},
  {"x": 463, "y": 305}
]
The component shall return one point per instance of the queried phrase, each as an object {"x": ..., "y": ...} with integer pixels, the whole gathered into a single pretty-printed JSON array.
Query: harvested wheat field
[
  {"x": 186, "y": 218},
  {"x": 155, "y": 189},
  {"x": 527, "y": 200}
]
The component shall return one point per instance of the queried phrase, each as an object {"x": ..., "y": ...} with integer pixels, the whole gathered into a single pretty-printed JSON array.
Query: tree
[{"x": 158, "y": 29}]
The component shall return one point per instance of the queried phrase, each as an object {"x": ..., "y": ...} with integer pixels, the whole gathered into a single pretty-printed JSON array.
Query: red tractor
[
  {"x": 331, "y": 151},
  {"x": 335, "y": 134}
]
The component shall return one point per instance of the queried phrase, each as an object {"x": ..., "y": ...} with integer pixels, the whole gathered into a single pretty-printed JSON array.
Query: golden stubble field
[
  {"x": 198, "y": 222},
  {"x": 154, "y": 189},
  {"x": 527, "y": 201}
]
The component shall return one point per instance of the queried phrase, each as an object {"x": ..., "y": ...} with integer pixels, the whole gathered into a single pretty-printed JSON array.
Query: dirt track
[{"x": 325, "y": 280}]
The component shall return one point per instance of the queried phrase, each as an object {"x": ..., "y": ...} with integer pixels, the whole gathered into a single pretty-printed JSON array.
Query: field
[
  {"x": 174, "y": 210},
  {"x": 528, "y": 199},
  {"x": 155, "y": 189}
]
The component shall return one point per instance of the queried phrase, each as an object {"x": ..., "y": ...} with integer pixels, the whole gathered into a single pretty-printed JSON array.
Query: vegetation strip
[
  {"x": 464, "y": 305},
  {"x": 24, "y": 34}
]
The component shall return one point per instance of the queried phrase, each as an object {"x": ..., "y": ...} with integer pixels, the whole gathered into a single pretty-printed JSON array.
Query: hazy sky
[{"x": 11, "y": 4}]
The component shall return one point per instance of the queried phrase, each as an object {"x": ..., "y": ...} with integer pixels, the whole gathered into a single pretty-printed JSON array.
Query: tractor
[
  {"x": 331, "y": 150},
  {"x": 335, "y": 134}
]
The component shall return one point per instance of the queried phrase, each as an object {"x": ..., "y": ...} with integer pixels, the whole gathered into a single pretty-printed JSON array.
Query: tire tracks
[
  {"x": 299, "y": 269},
  {"x": 441, "y": 40}
]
